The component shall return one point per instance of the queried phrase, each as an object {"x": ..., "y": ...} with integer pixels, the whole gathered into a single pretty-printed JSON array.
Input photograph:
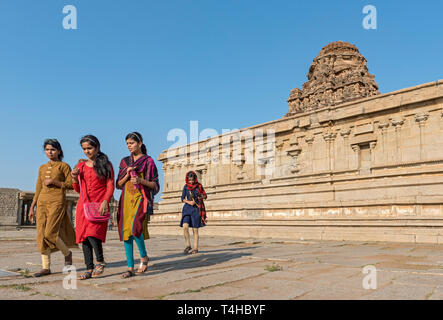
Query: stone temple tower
[{"x": 337, "y": 75}]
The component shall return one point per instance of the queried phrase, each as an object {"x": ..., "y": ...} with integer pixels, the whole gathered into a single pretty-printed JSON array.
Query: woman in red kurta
[{"x": 97, "y": 180}]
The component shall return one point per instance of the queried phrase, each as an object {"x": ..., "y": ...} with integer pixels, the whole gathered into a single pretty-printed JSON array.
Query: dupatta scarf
[
  {"x": 201, "y": 194},
  {"x": 144, "y": 165}
]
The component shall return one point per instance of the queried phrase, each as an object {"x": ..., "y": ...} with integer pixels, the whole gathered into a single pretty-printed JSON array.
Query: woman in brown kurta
[{"x": 54, "y": 228}]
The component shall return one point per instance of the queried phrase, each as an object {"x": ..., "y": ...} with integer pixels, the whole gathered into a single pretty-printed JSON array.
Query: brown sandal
[
  {"x": 128, "y": 274},
  {"x": 187, "y": 249},
  {"x": 68, "y": 259},
  {"x": 42, "y": 272},
  {"x": 194, "y": 251}
]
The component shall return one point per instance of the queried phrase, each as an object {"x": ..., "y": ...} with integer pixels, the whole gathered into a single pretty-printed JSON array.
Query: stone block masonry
[{"x": 9, "y": 206}]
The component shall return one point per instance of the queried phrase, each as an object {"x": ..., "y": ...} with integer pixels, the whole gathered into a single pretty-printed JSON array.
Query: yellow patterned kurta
[
  {"x": 131, "y": 205},
  {"x": 52, "y": 220}
]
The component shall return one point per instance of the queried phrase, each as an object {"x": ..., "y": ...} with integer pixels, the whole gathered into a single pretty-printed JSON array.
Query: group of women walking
[{"x": 93, "y": 178}]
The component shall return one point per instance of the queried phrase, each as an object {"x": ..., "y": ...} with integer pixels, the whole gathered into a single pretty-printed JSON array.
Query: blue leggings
[{"x": 129, "y": 249}]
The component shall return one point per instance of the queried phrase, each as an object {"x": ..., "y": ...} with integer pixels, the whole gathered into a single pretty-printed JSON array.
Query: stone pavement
[{"x": 228, "y": 268}]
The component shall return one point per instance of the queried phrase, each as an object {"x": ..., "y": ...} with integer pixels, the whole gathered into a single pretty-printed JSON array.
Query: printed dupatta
[{"x": 146, "y": 165}]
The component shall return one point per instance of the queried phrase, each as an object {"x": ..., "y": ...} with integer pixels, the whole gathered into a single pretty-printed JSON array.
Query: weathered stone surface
[{"x": 9, "y": 206}]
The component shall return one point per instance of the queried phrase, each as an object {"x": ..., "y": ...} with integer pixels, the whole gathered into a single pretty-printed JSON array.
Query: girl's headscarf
[{"x": 194, "y": 185}]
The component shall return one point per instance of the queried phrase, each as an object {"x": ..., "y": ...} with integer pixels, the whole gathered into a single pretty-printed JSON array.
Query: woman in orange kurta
[
  {"x": 97, "y": 180},
  {"x": 54, "y": 228}
]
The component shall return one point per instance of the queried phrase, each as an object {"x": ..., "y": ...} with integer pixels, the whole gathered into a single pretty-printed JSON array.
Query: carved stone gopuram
[{"x": 338, "y": 74}]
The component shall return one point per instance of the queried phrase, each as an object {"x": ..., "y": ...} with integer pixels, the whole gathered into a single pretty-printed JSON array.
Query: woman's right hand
[
  {"x": 31, "y": 214},
  {"x": 126, "y": 178},
  {"x": 75, "y": 172}
]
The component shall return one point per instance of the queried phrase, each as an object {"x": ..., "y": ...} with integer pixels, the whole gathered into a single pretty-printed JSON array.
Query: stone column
[
  {"x": 227, "y": 158},
  {"x": 166, "y": 177},
  {"x": 371, "y": 148},
  {"x": 171, "y": 170},
  {"x": 384, "y": 129},
  {"x": 170, "y": 177},
  {"x": 345, "y": 135},
  {"x": 206, "y": 172},
  {"x": 397, "y": 123},
  {"x": 215, "y": 165},
  {"x": 310, "y": 141},
  {"x": 178, "y": 175},
  {"x": 329, "y": 138},
  {"x": 204, "y": 176},
  {"x": 356, "y": 149},
  {"x": 421, "y": 119},
  {"x": 278, "y": 158}
]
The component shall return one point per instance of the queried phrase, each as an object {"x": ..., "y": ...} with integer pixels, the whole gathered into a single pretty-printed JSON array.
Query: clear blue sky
[{"x": 152, "y": 66}]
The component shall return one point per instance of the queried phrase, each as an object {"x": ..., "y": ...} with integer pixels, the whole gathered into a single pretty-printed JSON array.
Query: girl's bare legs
[
  {"x": 186, "y": 233},
  {"x": 195, "y": 230}
]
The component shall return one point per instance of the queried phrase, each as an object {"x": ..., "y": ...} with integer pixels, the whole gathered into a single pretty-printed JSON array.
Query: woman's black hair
[
  {"x": 102, "y": 165},
  {"x": 137, "y": 137},
  {"x": 54, "y": 143}
]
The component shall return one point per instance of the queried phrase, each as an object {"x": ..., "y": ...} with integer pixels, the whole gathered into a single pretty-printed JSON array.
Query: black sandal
[
  {"x": 128, "y": 274},
  {"x": 195, "y": 251},
  {"x": 187, "y": 249},
  {"x": 86, "y": 275}
]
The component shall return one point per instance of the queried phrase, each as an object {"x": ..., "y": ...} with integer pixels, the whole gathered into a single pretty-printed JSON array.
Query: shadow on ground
[{"x": 204, "y": 258}]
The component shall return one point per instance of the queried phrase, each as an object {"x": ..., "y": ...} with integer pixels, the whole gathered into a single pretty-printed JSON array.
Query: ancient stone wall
[
  {"x": 376, "y": 162},
  {"x": 9, "y": 206}
]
